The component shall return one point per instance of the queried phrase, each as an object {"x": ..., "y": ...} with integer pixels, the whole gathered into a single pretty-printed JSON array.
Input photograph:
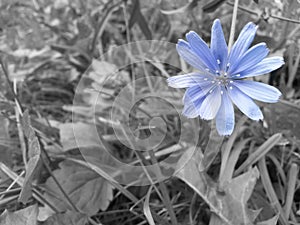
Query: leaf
[
  {"x": 45, "y": 212},
  {"x": 146, "y": 208},
  {"x": 272, "y": 221},
  {"x": 212, "y": 149},
  {"x": 6, "y": 156},
  {"x": 27, "y": 216},
  {"x": 189, "y": 6},
  {"x": 103, "y": 70},
  {"x": 230, "y": 206},
  {"x": 137, "y": 16},
  {"x": 86, "y": 189},
  {"x": 212, "y": 6},
  {"x": 260, "y": 152},
  {"x": 275, "y": 115},
  {"x": 67, "y": 218},
  {"x": 85, "y": 135},
  {"x": 34, "y": 158}
]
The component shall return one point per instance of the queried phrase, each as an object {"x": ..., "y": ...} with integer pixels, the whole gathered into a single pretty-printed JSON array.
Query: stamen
[
  {"x": 231, "y": 81},
  {"x": 238, "y": 75},
  {"x": 213, "y": 81},
  {"x": 217, "y": 72},
  {"x": 218, "y": 61},
  {"x": 205, "y": 79},
  {"x": 207, "y": 69},
  {"x": 225, "y": 74},
  {"x": 211, "y": 91},
  {"x": 228, "y": 64},
  {"x": 219, "y": 82},
  {"x": 230, "y": 87},
  {"x": 222, "y": 92}
]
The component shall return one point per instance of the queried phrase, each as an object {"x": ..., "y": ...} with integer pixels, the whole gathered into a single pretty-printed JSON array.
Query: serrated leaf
[
  {"x": 68, "y": 218},
  {"x": 27, "y": 216},
  {"x": 86, "y": 189},
  {"x": 230, "y": 206},
  {"x": 34, "y": 158}
]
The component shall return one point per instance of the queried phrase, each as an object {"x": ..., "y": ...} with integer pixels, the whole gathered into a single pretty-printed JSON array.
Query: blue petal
[
  {"x": 185, "y": 51},
  {"x": 225, "y": 115},
  {"x": 211, "y": 104},
  {"x": 259, "y": 91},
  {"x": 188, "y": 80},
  {"x": 252, "y": 57},
  {"x": 197, "y": 92},
  {"x": 245, "y": 104},
  {"x": 265, "y": 66},
  {"x": 191, "y": 108},
  {"x": 202, "y": 50},
  {"x": 218, "y": 44},
  {"x": 242, "y": 43}
]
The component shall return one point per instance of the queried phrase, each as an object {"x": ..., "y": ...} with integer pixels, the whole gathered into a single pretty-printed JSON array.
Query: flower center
[{"x": 223, "y": 81}]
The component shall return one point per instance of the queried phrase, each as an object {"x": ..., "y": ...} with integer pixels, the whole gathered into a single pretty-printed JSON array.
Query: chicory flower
[{"x": 220, "y": 80}]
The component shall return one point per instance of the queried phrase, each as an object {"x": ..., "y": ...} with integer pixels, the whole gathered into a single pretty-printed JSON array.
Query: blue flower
[{"x": 220, "y": 81}]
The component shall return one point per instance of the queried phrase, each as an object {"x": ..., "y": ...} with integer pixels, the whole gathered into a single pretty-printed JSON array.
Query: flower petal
[
  {"x": 211, "y": 104},
  {"x": 245, "y": 104},
  {"x": 191, "y": 108},
  {"x": 225, "y": 115},
  {"x": 197, "y": 92},
  {"x": 185, "y": 51},
  {"x": 242, "y": 43},
  {"x": 259, "y": 91},
  {"x": 202, "y": 50},
  {"x": 265, "y": 66},
  {"x": 252, "y": 57},
  {"x": 189, "y": 80},
  {"x": 218, "y": 46}
]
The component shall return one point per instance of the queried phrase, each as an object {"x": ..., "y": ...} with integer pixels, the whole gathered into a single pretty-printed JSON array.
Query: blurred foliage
[{"x": 46, "y": 47}]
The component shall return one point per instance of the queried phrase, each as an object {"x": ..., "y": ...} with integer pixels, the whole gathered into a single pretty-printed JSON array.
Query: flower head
[{"x": 220, "y": 81}]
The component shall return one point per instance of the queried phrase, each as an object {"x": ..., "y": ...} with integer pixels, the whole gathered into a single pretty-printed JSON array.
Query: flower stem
[{"x": 233, "y": 22}]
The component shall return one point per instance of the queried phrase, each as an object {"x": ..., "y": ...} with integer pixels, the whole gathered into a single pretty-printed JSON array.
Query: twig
[
  {"x": 260, "y": 14},
  {"x": 233, "y": 22},
  {"x": 163, "y": 188},
  {"x": 56, "y": 181},
  {"x": 99, "y": 29},
  {"x": 10, "y": 86},
  {"x": 18, "y": 111}
]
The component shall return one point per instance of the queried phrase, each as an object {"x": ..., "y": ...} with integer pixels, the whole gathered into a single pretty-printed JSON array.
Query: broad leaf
[
  {"x": 230, "y": 204},
  {"x": 27, "y": 216},
  {"x": 68, "y": 218},
  {"x": 86, "y": 189},
  {"x": 77, "y": 135}
]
